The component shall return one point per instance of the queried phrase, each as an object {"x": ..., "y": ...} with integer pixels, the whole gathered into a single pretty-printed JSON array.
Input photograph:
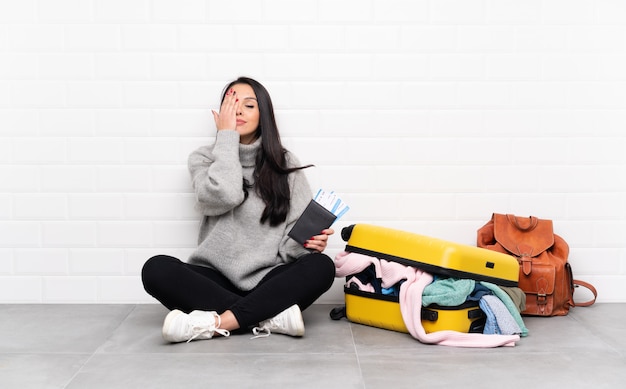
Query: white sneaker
[
  {"x": 180, "y": 327},
  {"x": 288, "y": 322}
]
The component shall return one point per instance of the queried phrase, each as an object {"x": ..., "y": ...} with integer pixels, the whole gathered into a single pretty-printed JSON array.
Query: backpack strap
[{"x": 593, "y": 290}]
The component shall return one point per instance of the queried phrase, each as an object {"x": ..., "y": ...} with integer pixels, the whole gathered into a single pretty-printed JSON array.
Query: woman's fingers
[
  {"x": 226, "y": 119},
  {"x": 328, "y": 231},
  {"x": 319, "y": 242},
  {"x": 314, "y": 244}
]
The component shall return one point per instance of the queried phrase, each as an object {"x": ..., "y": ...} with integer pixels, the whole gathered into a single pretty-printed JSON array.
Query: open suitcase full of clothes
[{"x": 379, "y": 307}]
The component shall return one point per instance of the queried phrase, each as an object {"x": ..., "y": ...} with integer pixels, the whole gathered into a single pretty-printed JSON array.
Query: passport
[{"x": 313, "y": 220}]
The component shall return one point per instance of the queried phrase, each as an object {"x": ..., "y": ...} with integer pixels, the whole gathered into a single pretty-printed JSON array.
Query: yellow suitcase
[
  {"x": 435, "y": 256},
  {"x": 383, "y": 311},
  {"x": 373, "y": 309}
]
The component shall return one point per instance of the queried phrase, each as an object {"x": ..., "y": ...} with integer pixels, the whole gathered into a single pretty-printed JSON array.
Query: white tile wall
[{"x": 426, "y": 115}]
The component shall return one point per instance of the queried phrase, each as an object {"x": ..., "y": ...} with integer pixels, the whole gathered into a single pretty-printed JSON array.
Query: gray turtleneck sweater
[{"x": 232, "y": 239}]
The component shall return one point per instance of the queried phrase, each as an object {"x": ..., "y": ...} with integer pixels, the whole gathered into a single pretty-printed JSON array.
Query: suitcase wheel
[
  {"x": 346, "y": 232},
  {"x": 338, "y": 313}
]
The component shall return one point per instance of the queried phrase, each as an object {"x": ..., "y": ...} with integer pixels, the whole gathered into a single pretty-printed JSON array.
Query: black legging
[{"x": 179, "y": 285}]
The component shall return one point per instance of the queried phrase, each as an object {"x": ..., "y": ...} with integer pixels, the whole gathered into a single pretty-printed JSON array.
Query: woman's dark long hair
[{"x": 271, "y": 170}]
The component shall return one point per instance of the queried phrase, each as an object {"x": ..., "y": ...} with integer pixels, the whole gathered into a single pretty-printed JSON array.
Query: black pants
[{"x": 179, "y": 285}]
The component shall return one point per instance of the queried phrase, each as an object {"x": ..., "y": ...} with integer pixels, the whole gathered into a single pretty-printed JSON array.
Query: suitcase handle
[{"x": 429, "y": 315}]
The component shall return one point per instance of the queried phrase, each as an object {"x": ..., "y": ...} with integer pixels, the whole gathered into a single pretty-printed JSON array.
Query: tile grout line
[
  {"x": 356, "y": 355},
  {"x": 93, "y": 354}
]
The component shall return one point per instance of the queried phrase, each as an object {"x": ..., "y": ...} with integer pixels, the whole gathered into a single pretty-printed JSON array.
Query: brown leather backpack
[{"x": 545, "y": 275}]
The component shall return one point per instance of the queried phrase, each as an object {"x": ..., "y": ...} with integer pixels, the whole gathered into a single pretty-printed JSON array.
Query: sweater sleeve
[{"x": 216, "y": 175}]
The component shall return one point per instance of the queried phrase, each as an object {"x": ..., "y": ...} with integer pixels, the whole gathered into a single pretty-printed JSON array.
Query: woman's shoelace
[
  {"x": 260, "y": 332},
  {"x": 198, "y": 329}
]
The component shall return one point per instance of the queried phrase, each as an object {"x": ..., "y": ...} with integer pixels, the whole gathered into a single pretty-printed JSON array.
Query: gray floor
[{"x": 120, "y": 346}]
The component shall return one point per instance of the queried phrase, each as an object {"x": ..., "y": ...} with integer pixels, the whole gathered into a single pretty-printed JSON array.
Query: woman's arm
[{"x": 216, "y": 174}]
